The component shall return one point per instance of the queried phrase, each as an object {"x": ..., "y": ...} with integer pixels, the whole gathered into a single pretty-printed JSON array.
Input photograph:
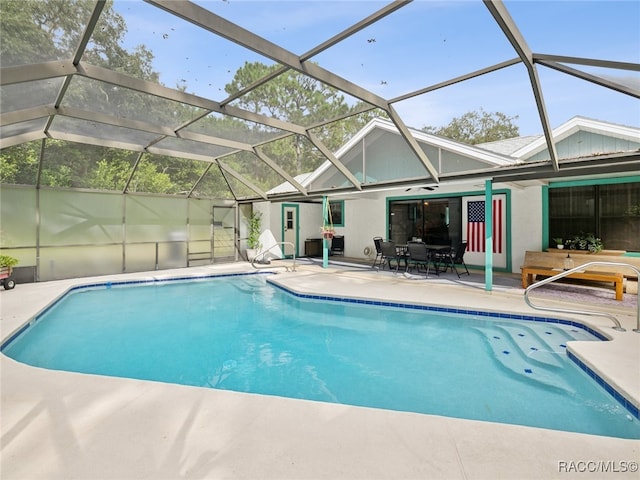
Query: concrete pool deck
[{"x": 61, "y": 425}]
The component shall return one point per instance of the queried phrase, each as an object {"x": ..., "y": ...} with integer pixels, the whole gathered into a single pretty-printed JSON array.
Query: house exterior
[{"x": 526, "y": 213}]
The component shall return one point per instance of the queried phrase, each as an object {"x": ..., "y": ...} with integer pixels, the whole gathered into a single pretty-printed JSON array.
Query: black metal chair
[
  {"x": 378, "y": 260},
  {"x": 389, "y": 253},
  {"x": 337, "y": 245},
  {"x": 452, "y": 257},
  {"x": 418, "y": 255}
]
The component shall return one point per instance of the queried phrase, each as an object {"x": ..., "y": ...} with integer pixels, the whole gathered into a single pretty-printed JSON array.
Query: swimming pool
[{"x": 241, "y": 333}]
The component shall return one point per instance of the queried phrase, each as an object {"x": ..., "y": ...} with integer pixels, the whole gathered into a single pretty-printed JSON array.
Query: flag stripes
[{"x": 476, "y": 231}]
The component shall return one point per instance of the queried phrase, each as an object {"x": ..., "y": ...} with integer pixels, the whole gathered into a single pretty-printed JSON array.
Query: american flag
[{"x": 475, "y": 226}]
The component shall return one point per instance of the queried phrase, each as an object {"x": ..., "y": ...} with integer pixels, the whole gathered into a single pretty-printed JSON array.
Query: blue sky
[{"x": 419, "y": 45}]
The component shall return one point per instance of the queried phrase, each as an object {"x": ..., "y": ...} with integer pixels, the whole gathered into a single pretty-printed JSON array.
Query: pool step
[
  {"x": 515, "y": 354},
  {"x": 539, "y": 349}
]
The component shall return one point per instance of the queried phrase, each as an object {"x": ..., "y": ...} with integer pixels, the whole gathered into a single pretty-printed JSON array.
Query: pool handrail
[
  {"x": 261, "y": 254},
  {"x": 564, "y": 273}
]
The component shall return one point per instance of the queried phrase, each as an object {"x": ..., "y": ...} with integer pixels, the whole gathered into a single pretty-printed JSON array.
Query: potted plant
[
  {"x": 253, "y": 239},
  {"x": 327, "y": 232},
  {"x": 6, "y": 269},
  {"x": 586, "y": 241},
  {"x": 327, "y": 229},
  {"x": 559, "y": 243}
]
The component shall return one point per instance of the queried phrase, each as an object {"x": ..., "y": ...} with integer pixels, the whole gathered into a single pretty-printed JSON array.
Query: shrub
[{"x": 7, "y": 261}]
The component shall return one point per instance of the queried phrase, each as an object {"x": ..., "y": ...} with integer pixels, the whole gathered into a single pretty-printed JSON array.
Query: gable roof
[
  {"x": 287, "y": 187},
  {"x": 490, "y": 159},
  {"x": 577, "y": 124},
  {"x": 509, "y": 145},
  {"x": 523, "y": 148},
  {"x": 501, "y": 153}
]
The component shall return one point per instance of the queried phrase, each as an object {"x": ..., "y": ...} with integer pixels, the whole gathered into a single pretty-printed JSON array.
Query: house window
[
  {"x": 337, "y": 212},
  {"x": 611, "y": 212},
  {"x": 435, "y": 221}
]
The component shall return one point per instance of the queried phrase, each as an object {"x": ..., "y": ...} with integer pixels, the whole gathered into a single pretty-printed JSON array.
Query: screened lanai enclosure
[{"x": 135, "y": 135}]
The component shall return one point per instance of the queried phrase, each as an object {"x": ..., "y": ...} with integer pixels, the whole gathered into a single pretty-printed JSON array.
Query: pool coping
[{"x": 625, "y": 399}]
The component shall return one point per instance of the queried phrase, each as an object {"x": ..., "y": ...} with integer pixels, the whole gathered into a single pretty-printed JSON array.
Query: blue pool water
[{"x": 241, "y": 333}]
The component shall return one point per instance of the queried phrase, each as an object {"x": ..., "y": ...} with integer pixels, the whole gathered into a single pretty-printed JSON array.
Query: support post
[
  {"x": 488, "y": 222},
  {"x": 325, "y": 241}
]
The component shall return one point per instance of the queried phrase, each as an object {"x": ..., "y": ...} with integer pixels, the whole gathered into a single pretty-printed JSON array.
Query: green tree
[
  {"x": 38, "y": 31},
  {"x": 110, "y": 174},
  {"x": 61, "y": 178},
  {"x": 297, "y": 98},
  {"x": 19, "y": 164},
  {"x": 478, "y": 127},
  {"x": 148, "y": 179}
]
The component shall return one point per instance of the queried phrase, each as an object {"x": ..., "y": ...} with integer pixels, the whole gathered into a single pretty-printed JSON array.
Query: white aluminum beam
[
  {"x": 88, "y": 31},
  {"x": 511, "y": 31},
  {"x": 383, "y": 12},
  {"x": 455, "y": 80},
  {"x": 413, "y": 144},
  {"x": 592, "y": 62},
  {"x": 242, "y": 180},
  {"x": 36, "y": 71},
  {"x": 603, "y": 82},
  {"x": 72, "y": 137},
  {"x": 211, "y": 22},
  {"x": 22, "y": 138},
  {"x": 181, "y": 155},
  {"x": 221, "y": 142},
  {"x": 144, "y": 86},
  {"x": 151, "y": 128},
  {"x": 26, "y": 115},
  {"x": 107, "y": 119},
  {"x": 334, "y": 160},
  {"x": 280, "y": 171}
]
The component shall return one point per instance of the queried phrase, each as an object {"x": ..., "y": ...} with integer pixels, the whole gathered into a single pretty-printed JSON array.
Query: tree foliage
[
  {"x": 478, "y": 127},
  {"x": 19, "y": 164},
  {"x": 297, "y": 98},
  {"x": 38, "y": 31}
]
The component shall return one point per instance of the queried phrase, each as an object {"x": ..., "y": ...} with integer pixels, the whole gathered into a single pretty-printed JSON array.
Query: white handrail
[
  {"x": 576, "y": 269},
  {"x": 261, "y": 253}
]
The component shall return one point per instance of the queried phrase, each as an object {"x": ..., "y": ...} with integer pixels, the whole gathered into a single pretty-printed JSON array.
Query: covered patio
[
  {"x": 132, "y": 166},
  {"x": 137, "y": 139}
]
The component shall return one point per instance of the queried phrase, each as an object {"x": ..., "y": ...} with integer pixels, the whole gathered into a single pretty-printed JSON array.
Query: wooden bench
[{"x": 529, "y": 273}]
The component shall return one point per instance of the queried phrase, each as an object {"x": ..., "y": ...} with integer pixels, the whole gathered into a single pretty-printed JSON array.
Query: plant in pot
[
  {"x": 6, "y": 268},
  {"x": 327, "y": 229},
  {"x": 327, "y": 232},
  {"x": 559, "y": 243},
  {"x": 253, "y": 239},
  {"x": 586, "y": 241}
]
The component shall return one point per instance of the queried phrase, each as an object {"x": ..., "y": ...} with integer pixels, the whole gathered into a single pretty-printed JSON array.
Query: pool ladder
[
  {"x": 617, "y": 326},
  {"x": 261, "y": 254}
]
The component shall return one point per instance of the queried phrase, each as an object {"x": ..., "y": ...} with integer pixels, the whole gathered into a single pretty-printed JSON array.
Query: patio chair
[
  {"x": 378, "y": 259},
  {"x": 452, "y": 257},
  {"x": 337, "y": 245},
  {"x": 389, "y": 253},
  {"x": 418, "y": 255}
]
